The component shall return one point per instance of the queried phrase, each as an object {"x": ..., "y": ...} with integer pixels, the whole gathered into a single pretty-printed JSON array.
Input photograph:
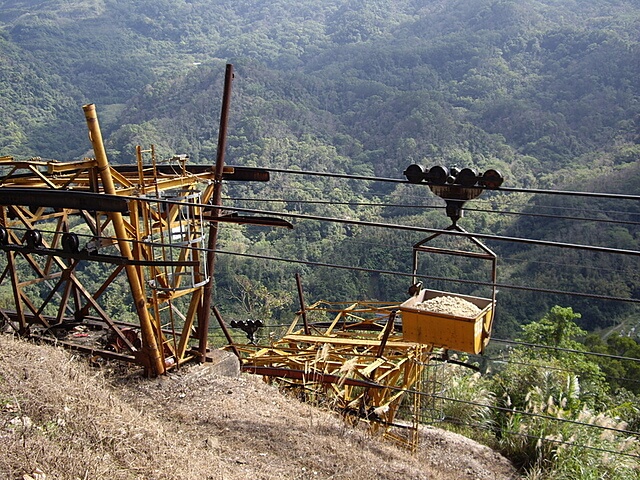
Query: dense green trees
[
  {"x": 544, "y": 91},
  {"x": 549, "y": 409},
  {"x": 554, "y": 413},
  {"x": 511, "y": 68},
  {"x": 617, "y": 362}
]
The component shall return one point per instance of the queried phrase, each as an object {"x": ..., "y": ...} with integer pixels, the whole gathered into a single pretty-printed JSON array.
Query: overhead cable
[
  {"x": 442, "y": 207},
  {"x": 412, "y": 228},
  {"x": 547, "y": 439},
  {"x": 567, "y": 350},
  {"x": 509, "y": 361},
  {"x": 409, "y": 275},
  {"x": 617, "y": 196}
]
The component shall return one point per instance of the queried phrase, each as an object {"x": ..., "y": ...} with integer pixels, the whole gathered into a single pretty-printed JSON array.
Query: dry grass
[{"x": 61, "y": 419}]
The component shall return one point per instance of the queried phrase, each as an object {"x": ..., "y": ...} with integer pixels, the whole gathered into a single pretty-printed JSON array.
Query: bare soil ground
[{"x": 61, "y": 419}]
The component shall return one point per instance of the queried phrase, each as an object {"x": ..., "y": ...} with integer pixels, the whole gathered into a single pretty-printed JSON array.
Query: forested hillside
[
  {"x": 337, "y": 98},
  {"x": 545, "y": 91}
]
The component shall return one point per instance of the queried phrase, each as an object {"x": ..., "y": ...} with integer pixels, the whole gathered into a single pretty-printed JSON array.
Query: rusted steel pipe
[
  {"x": 204, "y": 313},
  {"x": 69, "y": 199},
  {"x": 303, "y": 308},
  {"x": 387, "y": 331},
  {"x": 225, "y": 330},
  {"x": 310, "y": 377},
  {"x": 156, "y": 360}
]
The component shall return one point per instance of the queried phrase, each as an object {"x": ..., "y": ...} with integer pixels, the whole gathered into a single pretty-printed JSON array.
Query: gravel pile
[{"x": 449, "y": 305}]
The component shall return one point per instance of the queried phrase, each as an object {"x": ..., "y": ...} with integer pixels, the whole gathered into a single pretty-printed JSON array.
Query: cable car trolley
[{"x": 444, "y": 319}]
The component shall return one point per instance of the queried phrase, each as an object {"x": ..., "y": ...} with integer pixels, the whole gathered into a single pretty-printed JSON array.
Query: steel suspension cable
[
  {"x": 509, "y": 361},
  {"x": 566, "y": 350},
  {"x": 547, "y": 439},
  {"x": 617, "y": 196},
  {"x": 409, "y": 275},
  {"x": 514, "y": 411},
  {"x": 438, "y": 207},
  {"x": 411, "y": 228}
]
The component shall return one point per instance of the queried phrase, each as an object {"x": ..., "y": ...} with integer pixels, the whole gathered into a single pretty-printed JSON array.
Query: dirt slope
[{"x": 61, "y": 419}]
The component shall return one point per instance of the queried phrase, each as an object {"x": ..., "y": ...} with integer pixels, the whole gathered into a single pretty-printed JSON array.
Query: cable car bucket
[{"x": 437, "y": 317}]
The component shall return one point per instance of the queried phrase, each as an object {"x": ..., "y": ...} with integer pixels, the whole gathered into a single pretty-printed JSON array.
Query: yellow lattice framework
[
  {"x": 353, "y": 359},
  {"x": 145, "y": 221}
]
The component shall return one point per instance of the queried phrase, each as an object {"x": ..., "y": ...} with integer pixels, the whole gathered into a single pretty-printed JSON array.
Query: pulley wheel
[
  {"x": 492, "y": 179},
  {"x": 415, "y": 173},
  {"x": 438, "y": 175},
  {"x": 33, "y": 238},
  {"x": 467, "y": 177},
  {"x": 70, "y": 242}
]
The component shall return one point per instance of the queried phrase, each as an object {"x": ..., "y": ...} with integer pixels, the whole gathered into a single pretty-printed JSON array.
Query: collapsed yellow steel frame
[
  {"x": 34, "y": 235},
  {"x": 355, "y": 363}
]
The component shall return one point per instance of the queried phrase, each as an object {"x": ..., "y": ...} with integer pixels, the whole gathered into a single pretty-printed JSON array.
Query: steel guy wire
[
  {"x": 410, "y": 275},
  {"x": 546, "y": 439},
  {"x": 617, "y": 196},
  {"x": 509, "y": 361},
  {"x": 514, "y": 411},
  {"x": 566, "y": 350},
  {"x": 439, "y": 207},
  {"x": 455, "y": 233}
]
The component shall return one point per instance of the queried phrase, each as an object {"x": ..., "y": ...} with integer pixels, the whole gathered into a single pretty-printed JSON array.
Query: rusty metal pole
[
  {"x": 387, "y": 331},
  {"x": 225, "y": 330},
  {"x": 204, "y": 314},
  {"x": 156, "y": 360},
  {"x": 303, "y": 308}
]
